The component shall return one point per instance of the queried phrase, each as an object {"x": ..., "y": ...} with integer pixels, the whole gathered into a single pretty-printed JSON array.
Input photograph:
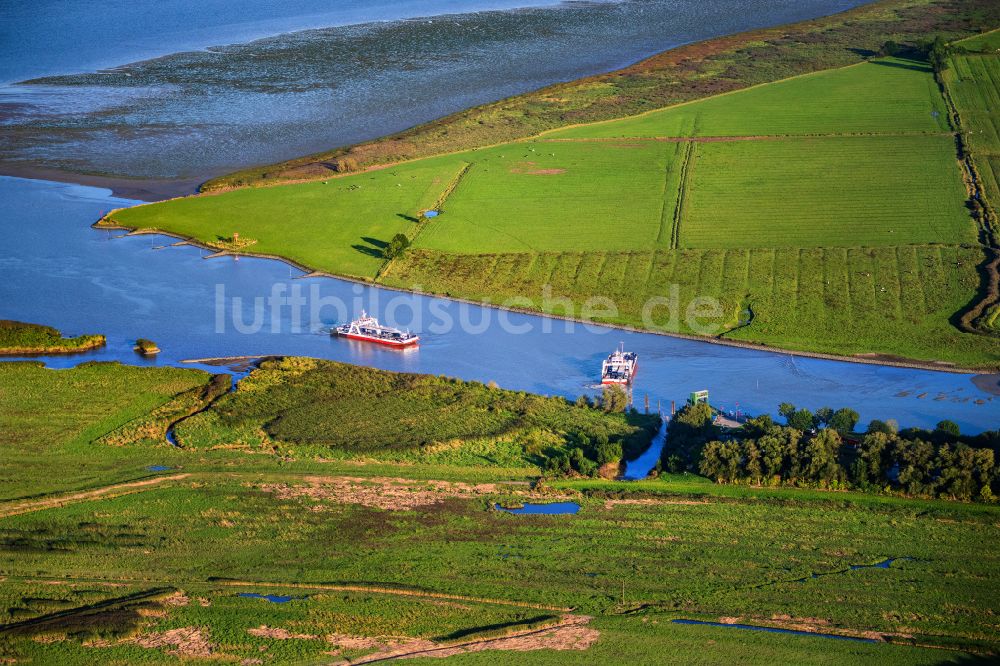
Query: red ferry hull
[{"x": 380, "y": 341}]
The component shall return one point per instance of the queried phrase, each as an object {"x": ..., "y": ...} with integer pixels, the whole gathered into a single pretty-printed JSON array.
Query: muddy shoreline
[{"x": 141, "y": 189}]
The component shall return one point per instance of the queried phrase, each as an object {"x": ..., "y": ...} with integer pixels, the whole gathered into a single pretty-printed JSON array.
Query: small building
[{"x": 698, "y": 397}]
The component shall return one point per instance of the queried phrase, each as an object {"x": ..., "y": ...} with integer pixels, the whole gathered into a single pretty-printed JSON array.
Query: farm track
[
  {"x": 106, "y": 492},
  {"x": 738, "y": 138},
  {"x": 470, "y": 646}
]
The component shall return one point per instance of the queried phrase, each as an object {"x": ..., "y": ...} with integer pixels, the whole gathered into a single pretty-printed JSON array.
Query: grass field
[
  {"x": 886, "y": 191},
  {"x": 547, "y": 197},
  {"x": 974, "y": 83},
  {"x": 340, "y": 225},
  {"x": 888, "y": 96},
  {"x": 410, "y": 557},
  {"x": 49, "y": 417},
  {"x": 986, "y": 42}
]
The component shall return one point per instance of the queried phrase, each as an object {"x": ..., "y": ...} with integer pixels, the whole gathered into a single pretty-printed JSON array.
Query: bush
[
  {"x": 146, "y": 346},
  {"x": 396, "y": 246},
  {"x": 345, "y": 165}
]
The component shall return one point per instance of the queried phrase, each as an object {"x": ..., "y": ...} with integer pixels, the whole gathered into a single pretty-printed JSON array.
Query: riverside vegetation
[
  {"x": 17, "y": 338},
  {"x": 822, "y": 450},
  {"x": 266, "y": 494},
  {"x": 729, "y": 197}
]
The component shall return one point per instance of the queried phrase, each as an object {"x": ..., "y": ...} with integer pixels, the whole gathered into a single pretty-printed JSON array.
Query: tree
[
  {"x": 772, "y": 455},
  {"x": 821, "y": 452},
  {"x": 753, "y": 464},
  {"x": 786, "y": 409},
  {"x": 607, "y": 452},
  {"x": 802, "y": 420},
  {"x": 937, "y": 54},
  {"x": 822, "y": 416},
  {"x": 396, "y": 246},
  {"x": 697, "y": 416},
  {"x": 583, "y": 401},
  {"x": 674, "y": 464},
  {"x": 844, "y": 420},
  {"x": 873, "y": 450},
  {"x": 916, "y": 466},
  {"x": 878, "y": 426},
  {"x": 582, "y": 463},
  {"x": 947, "y": 430},
  {"x": 720, "y": 461},
  {"x": 614, "y": 399},
  {"x": 758, "y": 426}
]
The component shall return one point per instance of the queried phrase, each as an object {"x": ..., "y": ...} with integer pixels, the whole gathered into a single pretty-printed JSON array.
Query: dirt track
[
  {"x": 571, "y": 633},
  {"x": 49, "y": 502}
]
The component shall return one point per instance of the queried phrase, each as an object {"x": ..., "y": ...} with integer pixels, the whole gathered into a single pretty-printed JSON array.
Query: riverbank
[
  {"x": 861, "y": 358},
  {"x": 140, "y": 189}
]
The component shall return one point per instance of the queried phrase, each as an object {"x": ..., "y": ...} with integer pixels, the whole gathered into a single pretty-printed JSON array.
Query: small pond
[
  {"x": 273, "y": 598},
  {"x": 159, "y": 468},
  {"x": 551, "y": 508}
]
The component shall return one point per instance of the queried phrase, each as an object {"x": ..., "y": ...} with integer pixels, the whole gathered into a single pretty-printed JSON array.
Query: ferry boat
[
  {"x": 368, "y": 329},
  {"x": 619, "y": 367}
]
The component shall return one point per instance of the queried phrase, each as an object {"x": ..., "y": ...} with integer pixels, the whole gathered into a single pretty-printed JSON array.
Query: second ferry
[{"x": 368, "y": 329}]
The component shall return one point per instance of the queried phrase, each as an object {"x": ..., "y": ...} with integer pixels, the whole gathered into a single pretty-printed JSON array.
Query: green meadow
[
  {"x": 541, "y": 196},
  {"x": 326, "y": 409},
  {"x": 378, "y": 558},
  {"x": 340, "y": 225},
  {"x": 854, "y": 173},
  {"x": 49, "y": 419},
  {"x": 886, "y": 191},
  {"x": 886, "y": 96}
]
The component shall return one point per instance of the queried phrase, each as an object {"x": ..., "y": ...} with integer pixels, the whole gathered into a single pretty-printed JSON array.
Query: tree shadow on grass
[
  {"x": 374, "y": 248},
  {"x": 864, "y": 53},
  {"x": 914, "y": 65},
  {"x": 408, "y": 218}
]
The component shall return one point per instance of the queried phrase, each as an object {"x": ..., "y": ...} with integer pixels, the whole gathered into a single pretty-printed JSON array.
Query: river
[{"x": 56, "y": 270}]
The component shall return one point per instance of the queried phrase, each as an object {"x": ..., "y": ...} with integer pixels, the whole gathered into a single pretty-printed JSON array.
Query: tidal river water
[{"x": 55, "y": 269}]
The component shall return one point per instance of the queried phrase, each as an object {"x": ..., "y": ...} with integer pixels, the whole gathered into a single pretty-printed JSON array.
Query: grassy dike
[
  {"x": 18, "y": 338},
  {"x": 384, "y": 545}
]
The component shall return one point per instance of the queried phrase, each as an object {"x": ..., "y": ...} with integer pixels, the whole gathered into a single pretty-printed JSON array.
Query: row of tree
[{"x": 821, "y": 450}]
